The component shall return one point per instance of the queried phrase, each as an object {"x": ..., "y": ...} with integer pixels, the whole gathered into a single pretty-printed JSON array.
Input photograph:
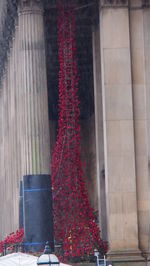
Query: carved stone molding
[
  {"x": 30, "y": 5},
  {"x": 146, "y": 3},
  {"x": 114, "y": 3},
  {"x": 139, "y": 4}
]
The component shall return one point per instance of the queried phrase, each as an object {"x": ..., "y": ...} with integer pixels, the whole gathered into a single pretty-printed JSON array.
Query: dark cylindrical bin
[
  {"x": 21, "y": 206},
  {"x": 38, "y": 213}
]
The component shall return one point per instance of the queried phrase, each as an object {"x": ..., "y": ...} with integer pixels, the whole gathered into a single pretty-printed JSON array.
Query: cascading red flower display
[
  {"x": 12, "y": 239},
  {"x": 74, "y": 220}
]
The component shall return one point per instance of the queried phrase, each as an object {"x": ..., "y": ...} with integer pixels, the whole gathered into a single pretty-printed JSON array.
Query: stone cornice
[
  {"x": 30, "y": 6},
  {"x": 146, "y": 3},
  {"x": 114, "y": 3}
]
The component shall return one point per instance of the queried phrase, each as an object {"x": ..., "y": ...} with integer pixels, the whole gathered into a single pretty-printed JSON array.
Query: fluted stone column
[
  {"x": 9, "y": 147},
  {"x": 121, "y": 192},
  {"x": 10, "y": 139},
  {"x": 35, "y": 122},
  {"x": 140, "y": 52}
]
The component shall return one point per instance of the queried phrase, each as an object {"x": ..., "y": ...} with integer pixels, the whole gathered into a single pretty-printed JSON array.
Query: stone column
[
  {"x": 144, "y": 197},
  {"x": 100, "y": 171},
  {"x": 140, "y": 52},
  {"x": 35, "y": 122},
  {"x": 121, "y": 198}
]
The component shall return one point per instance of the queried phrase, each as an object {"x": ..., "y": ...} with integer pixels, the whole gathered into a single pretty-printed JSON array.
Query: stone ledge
[
  {"x": 125, "y": 256},
  {"x": 114, "y": 3},
  {"x": 83, "y": 264}
]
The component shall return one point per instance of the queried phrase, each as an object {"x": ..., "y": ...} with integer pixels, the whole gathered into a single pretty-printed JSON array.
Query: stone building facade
[{"x": 116, "y": 131}]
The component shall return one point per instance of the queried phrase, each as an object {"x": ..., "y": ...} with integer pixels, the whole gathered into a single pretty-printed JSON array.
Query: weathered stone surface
[
  {"x": 140, "y": 22},
  {"x": 121, "y": 40},
  {"x": 36, "y": 139},
  {"x": 115, "y": 66},
  {"x": 10, "y": 155},
  {"x": 24, "y": 123},
  {"x": 119, "y": 133}
]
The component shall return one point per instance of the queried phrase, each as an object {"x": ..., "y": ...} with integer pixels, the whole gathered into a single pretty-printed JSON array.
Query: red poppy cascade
[
  {"x": 74, "y": 221},
  {"x": 11, "y": 240}
]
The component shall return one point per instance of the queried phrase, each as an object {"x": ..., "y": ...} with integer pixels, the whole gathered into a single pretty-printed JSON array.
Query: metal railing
[{"x": 21, "y": 247}]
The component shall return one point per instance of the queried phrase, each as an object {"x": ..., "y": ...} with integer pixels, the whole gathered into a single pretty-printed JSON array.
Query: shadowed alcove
[{"x": 86, "y": 20}]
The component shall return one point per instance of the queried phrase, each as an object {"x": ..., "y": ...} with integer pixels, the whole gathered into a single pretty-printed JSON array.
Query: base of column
[
  {"x": 146, "y": 255},
  {"x": 125, "y": 256}
]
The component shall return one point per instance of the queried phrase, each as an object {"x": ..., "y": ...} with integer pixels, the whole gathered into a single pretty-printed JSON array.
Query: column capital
[
  {"x": 114, "y": 3},
  {"x": 146, "y": 3},
  {"x": 30, "y": 6},
  {"x": 139, "y": 4}
]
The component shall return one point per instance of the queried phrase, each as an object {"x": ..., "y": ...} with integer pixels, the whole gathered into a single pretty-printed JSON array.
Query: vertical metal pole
[
  {"x": 104, "y": 260},
  {"x": 97, "y": 260},
  {"x": 5, "y": 247}
]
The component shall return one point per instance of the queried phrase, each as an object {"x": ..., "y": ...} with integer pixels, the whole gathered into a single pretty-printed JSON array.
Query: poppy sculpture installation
[{"x": 74, "y": 220}]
